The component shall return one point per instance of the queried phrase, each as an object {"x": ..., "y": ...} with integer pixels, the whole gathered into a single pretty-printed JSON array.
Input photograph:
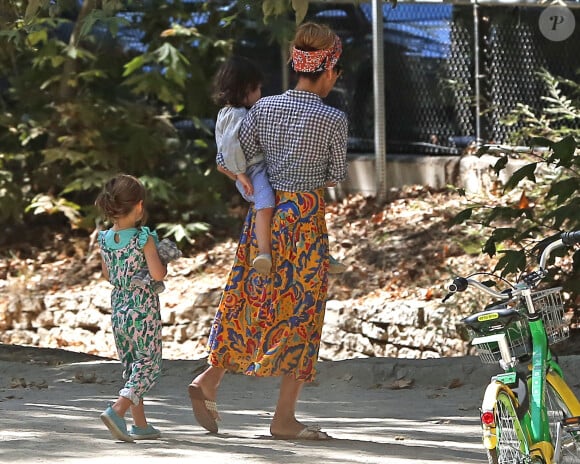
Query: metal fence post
[
  {"x": 476, "y": 72},
  {"x": 379, "y": 103}
]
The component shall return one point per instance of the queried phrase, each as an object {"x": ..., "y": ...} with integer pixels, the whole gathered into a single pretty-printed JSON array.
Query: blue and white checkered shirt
[{"x": 303, "y": 140}]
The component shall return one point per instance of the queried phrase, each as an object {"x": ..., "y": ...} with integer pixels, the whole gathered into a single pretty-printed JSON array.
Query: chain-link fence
[{"x": 433, "y": 104}]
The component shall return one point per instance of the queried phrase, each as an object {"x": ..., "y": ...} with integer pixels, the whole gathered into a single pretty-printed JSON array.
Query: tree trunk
[{"x": 69, "y": 68}]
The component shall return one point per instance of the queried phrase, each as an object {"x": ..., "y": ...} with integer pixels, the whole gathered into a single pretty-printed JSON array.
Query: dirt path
[{"x": 378, "y": 410}]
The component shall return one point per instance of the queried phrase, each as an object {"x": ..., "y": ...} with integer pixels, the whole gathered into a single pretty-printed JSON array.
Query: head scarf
[{"x": 316, "y": 60}]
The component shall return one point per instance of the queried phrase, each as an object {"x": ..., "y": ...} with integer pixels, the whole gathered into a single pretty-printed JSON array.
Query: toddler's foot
[
  {"x": 335, "y": 267},
  {"x": 263, "y": 263}
]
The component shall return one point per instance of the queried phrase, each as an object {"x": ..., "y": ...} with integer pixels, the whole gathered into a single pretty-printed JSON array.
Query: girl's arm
[
  {"x": 230, "y": 174},
  {"x": 157, "y": 269},
  {"x": 246, "y": 183},
  {"x": 104, "y": 269}
]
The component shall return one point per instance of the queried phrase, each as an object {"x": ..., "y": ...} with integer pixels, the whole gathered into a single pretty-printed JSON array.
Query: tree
[{"x": 92, "y": 88}]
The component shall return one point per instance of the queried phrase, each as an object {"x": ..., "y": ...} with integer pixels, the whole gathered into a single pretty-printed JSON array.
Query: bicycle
[{"x": 531, "y": 415}]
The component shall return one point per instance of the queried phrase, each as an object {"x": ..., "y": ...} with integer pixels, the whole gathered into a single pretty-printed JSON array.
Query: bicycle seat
[{"x": 492, "y": 319}]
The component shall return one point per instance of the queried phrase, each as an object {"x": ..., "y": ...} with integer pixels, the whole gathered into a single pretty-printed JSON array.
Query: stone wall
[{"x": 78, "y": 319}]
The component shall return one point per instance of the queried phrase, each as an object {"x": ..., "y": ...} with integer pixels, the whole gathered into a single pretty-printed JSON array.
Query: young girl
[
  {"x": 238, "y": 86},
  {"x": 125, "y": 248}
]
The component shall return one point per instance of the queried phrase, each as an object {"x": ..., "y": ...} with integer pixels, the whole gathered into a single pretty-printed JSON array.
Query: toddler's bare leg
[{"x": 263, "y": 230}]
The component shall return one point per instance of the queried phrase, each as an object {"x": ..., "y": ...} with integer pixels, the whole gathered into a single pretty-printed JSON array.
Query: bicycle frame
[
  {"x": 539, "y": 427},
  {"x": 534, "y": 422},
  {"x": 526, "y": 417}
]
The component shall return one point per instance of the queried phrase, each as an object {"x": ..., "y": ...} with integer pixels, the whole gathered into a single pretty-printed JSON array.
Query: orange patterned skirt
[{"x": 270, "y": 326}]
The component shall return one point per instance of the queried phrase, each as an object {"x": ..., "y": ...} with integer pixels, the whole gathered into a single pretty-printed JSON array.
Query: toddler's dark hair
[
  {"x": 120, "y": 195},
  {"x": 235, "y": 78}
]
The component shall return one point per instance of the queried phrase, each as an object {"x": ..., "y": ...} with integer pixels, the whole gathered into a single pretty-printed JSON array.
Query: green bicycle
[{"x": 528, "y": 415}]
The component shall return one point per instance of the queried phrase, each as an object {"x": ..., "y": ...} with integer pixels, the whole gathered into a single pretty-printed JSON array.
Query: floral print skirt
[{"x": 271, "y": 325}]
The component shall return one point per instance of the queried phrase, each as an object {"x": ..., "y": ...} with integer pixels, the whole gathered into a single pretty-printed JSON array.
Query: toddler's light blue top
[{"x": 227, "y": 127}]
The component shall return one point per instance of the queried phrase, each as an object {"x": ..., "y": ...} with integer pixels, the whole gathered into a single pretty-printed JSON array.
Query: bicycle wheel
[
  {"x": 512, "y": 446},
  {"x": 557, "y": 410}
]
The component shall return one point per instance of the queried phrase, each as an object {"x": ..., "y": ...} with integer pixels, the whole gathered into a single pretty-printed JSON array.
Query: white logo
[{"x": 557, "y": 23}]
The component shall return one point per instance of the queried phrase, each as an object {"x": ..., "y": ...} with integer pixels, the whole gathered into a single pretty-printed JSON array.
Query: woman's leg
[
  {"x": 121, "y": 406},
  {"x": 284, "y": 422},
  {"x": 203, "y": 392},
  {"x": 209, "y": 381}
]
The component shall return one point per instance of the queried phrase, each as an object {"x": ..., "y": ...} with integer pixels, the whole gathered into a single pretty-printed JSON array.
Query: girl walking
[{"x": 127, "y": 247}]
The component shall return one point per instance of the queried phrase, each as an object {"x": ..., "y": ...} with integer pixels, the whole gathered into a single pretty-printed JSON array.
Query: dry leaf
[
  {"x": 81, "y": 377},
  {"x": 401, "y": 384},
  {"x": 455, "y": 383},
  {"x": 524, "y": 202},
  {"x": 18, "y": 382}
]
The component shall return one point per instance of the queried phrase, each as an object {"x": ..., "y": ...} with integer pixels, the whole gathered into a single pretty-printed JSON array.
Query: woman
[{"x": 271, "y": 326}]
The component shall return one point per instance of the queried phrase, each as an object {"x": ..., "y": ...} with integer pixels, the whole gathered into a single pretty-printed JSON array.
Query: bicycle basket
[
  {"x": 495, "y": 320},
  {"x": 548, "y": 304}
]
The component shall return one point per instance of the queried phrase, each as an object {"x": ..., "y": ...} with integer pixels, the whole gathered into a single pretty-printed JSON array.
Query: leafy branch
[{"x": 540, "y": 198}]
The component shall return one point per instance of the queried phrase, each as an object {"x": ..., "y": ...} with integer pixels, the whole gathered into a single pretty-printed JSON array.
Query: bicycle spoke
[
  {"x": 557, "y": 410},
  {"x": 509, "y": 435}
]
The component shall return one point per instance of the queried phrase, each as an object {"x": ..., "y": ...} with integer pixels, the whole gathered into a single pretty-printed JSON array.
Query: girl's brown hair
[
  {"x": 119, "y": 196},
  {"x": 235, "y": 79}
]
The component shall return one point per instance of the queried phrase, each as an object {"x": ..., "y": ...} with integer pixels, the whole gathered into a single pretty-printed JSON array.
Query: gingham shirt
[{"x": 302, "y": 139}]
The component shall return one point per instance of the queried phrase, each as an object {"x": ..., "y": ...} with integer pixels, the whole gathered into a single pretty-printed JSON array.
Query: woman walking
[{"x": 271, "y": 325}]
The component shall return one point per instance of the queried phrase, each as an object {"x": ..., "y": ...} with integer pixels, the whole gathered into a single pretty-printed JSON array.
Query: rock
[{"x": 78, "y": 318}]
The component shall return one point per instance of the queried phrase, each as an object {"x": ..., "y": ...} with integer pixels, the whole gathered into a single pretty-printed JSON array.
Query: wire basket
[
  {"x": 519, "y": 342},
  {"x": 548, "y": 304}
]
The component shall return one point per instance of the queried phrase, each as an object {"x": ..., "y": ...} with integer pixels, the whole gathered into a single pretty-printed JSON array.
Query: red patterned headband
[{"x": 317, "y": 60}]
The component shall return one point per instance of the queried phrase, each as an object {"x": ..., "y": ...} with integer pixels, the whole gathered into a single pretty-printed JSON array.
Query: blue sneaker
[
  {"x": 116, "y": 425},
  {"x": 147, "y": 433}
]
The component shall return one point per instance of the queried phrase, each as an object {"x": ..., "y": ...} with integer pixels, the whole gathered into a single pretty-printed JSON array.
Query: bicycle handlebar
[
  {"x": 460, "y": 284},
  {"x": 570, "y": 238}
]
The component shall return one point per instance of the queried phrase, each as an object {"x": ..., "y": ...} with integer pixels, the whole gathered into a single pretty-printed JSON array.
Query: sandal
[
  {"x": 204, "y": 410},
  {"x": 312, "y": 432}
]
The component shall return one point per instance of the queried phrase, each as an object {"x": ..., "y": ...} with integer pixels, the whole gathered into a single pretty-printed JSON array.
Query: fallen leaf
[
  {"x": 455, "y": 383},
  {"x": 401, "y": 384}
]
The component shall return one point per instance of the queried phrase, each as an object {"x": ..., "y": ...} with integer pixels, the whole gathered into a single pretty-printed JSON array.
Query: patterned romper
[{"x": 136, "y": 317}]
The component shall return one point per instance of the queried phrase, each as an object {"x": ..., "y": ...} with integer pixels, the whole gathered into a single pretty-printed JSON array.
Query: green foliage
[
  {"x": 184, "y": 232},
  {"x": 78, "y": 106},
  {"x": 46, "y": 204},
  {"x": 546, "y": 185}
]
